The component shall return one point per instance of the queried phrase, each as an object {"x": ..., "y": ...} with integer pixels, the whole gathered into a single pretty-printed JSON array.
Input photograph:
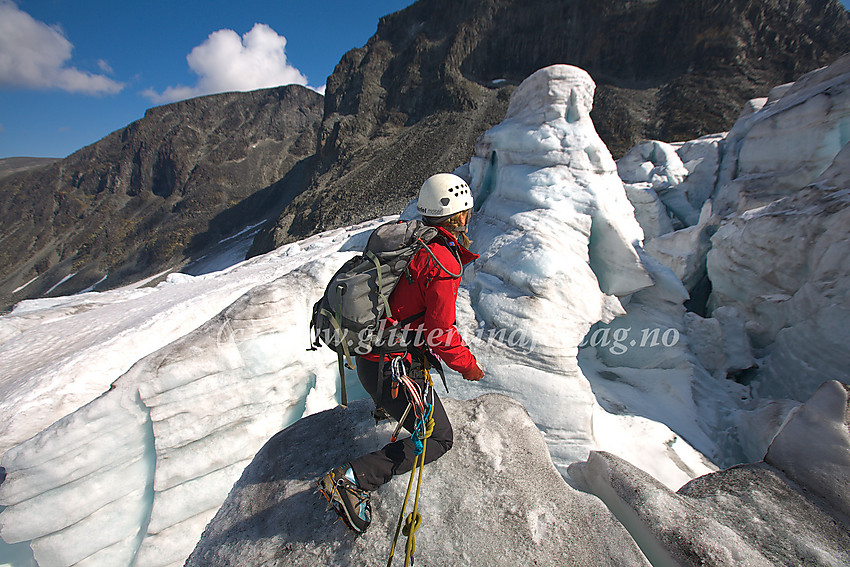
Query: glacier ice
[
  {"x": 559, "y": 247},
  {"x": 789, "y": 509},
  {"x": 133, "y": 476},
  {"x": 669, "y": 184},
  {"x": 552, "y": 218},
  {"x": 770, "y": 239},
  {"x": 684, "y": 250},
  {"x": 785, "y": 142},
  {"x": 133, "y": 412},
  {"x": 813, "y": 446},
  {"x": 658, "y": 164},
  {"x": 670, "y": 187},
  {"x": 720, "y": 342},
  {"x": 797, "y": 315}
]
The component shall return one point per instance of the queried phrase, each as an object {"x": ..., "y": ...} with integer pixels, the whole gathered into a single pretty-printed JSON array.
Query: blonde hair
[{"x": 454, "y": 223}]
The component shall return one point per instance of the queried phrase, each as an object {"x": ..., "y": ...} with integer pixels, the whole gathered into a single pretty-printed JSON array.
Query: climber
[{"x": 445, "y": 202}]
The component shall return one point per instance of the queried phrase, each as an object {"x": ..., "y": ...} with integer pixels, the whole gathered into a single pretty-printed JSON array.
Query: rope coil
[{"x": 424, "y": 413}]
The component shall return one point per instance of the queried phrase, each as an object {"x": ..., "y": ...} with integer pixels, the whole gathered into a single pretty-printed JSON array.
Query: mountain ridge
[
  {"x": 146, "y": 197},
  {"x": 409, "y": 103},
  {"x": 665, "y": 69},
  {"x": 12, "y": 165}
]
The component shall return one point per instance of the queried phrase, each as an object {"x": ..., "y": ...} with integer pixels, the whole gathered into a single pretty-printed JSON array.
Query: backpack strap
[
  {"x": 343, "y": 400},
  {"x": 434, "y": 257},
  {"x": 380, "y": 391},
  {"x": 387, "y": 311},
  {"x": 315, "y": 343},
  {"x": 342, "y": 348}
]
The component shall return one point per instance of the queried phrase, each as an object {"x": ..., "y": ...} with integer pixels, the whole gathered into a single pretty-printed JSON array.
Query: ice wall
[
  {"x": 785, "y": 142},
  {"x": 670, "y": 186},
  {"x": 132, "y": 477},
  {"x": 798, "y": 315},
  {"x": 782, "y": 259},
  {"x": 559, "y": 247},
  {"x": 58, "y": 354},
  {"x": 769, "y": 245},
  {"x": 553, "y": 227}
]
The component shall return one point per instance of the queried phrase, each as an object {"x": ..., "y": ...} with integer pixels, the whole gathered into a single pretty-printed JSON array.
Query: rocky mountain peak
[
  {"x": 436, "y": 75},
  {"x": 411, "y": 102},
  {"x": 147, "y": 197}
]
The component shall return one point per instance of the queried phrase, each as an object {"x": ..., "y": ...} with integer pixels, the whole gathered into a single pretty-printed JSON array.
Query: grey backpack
[{"x": 353, "y": 316}]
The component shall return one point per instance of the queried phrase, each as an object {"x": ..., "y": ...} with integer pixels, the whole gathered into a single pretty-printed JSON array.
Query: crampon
[{"x": 349, "y": 501}]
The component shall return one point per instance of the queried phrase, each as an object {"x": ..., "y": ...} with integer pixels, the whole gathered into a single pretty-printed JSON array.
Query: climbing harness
[{"x": 422, "y": 405}]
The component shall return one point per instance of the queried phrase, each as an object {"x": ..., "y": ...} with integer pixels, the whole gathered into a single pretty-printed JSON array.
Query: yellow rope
[
  {"x": 414, "y": 520},
  {"x": 426, "y": 373}
]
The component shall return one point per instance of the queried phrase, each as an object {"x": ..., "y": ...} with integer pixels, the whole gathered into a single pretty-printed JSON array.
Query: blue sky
[{"x": 72, "y": 71}]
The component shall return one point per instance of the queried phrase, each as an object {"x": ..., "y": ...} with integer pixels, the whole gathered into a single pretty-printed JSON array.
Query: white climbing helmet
[{"x": 443, "y": 195}]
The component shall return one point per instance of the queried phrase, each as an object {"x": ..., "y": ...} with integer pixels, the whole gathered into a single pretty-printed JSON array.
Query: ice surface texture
[
  {"x": 790, "y": 509},
  {"x": 771, "y": 239},
  {"x": 783, "y": 261},
  {"x": 559, "y": 246},
  {"x": 133, "y": 476},
  {"x": 495, "y": 499}
]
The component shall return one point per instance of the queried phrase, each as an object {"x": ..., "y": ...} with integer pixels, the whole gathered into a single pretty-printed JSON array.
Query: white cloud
[
  {"x": 228, "y": 62},
  {"x": 34, "y": 55},
  {"x": 104, "y": 66}
]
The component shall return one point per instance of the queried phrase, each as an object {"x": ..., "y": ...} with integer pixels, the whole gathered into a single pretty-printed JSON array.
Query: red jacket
[{"x": 434, "y": 292}]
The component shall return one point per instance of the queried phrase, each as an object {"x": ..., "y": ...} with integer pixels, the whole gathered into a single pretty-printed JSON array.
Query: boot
[{"x": 348, "y": 500}]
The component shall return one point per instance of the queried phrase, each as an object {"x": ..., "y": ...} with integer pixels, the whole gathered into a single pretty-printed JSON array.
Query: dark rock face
[
  {"x": 665, "y": 69},
  {"x": 439, "y": 73},
  {"x": 147, "y": 197},
  {"x": 408, "y": 104}
]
